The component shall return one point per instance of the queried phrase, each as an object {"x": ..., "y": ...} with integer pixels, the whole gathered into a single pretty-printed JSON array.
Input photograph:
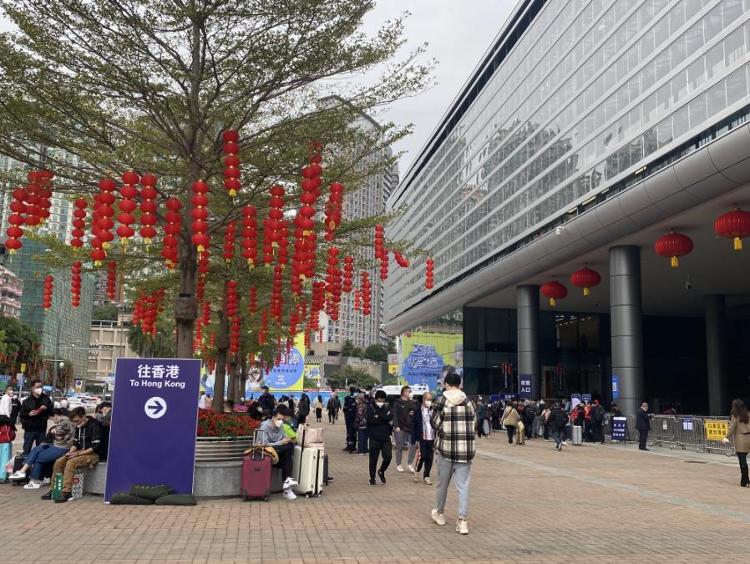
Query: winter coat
[
  {"x": 403, "y": 413},
  {"x": 454, "y": 419},
  {"x": 379, "y": 419},
  {"x": 741, "y": 433}
]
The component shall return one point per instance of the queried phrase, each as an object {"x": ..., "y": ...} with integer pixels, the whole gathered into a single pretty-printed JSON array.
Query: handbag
[
  {"x": 310, "y": 435},
  {"x": 7, "y": 433}
]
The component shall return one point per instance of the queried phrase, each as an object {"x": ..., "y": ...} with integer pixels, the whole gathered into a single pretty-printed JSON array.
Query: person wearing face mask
[
  {"x": 379, "y": 431},
  {"x": 423, "y": 434},
  {"x": 404, "y": 409},
  {"x": 271, "y": 433},
  {"x": 35, "y": 410}
]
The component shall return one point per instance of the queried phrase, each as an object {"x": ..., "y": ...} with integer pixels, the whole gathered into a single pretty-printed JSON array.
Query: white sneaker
[
  {"x": 415, "y": 476},
  {"x": 411, "y": 468},
  {"x": 33, "y": 485},
  {"x": 400, "y": 468},
  {"x": 564, "y": 443},
  {"x": 18, "y": 475},
  {"x": 46, "y": 481},
  {"x": 427, "y": 481},
  {"x": 289, "y": 483},
  {"x": 462, "y": 527},
  {"x": 289, "y": 494},
  {"x": 439, "y": 518}
]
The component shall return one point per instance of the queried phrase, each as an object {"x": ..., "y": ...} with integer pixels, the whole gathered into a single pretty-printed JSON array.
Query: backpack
[
  {"x": 598, "y": 414},
  {"x": 104, "y": 441}
]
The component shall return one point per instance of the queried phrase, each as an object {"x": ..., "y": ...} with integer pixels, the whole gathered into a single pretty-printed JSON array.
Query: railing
[{"x": 221, "y": 449}]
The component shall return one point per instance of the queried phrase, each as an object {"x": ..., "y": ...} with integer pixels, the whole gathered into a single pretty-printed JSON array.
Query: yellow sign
[
  {"x": 716, "y": 429},
  {"x": 23, "y": 367},
  {"x": 393, "y": 369}
]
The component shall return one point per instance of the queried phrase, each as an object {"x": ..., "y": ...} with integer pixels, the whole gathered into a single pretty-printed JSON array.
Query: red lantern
[
  {"x": 148, "y": 208},
  {"x": 172, "y": 228},
  {"x": 200, "y": 239},
  {"x": 127, "y": 205},
  {"x": 111, "y": 280},
  {"x": 334, "y": 210},
  {"x": 554, "y": 291},
  {"x": 401, "y": 260},
  {"x": 75, "y": 284},
  {"x": 733, "y": 225},
  {"x": 429, "y": 273},
  {"x": 49, "y": 286},
  {"x": 586, "y": 279},
  {"x": 366, "y": 293},
  {"x": 79, "y": 223},
  {"x": 252, "y": 303},
  {"x": 673, "y": 245},
  {"x": 249, "y": 238},
  {"x": 231, "y": 162},
  {"x": 348, "y": 273},
  {"x": 229, "y": 241}
]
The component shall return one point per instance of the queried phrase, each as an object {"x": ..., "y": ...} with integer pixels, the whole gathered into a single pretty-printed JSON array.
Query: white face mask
[
  {"x": 380, "y": 403},
  {"x": 427, "y": 403},
  {"x": 278, "y": 422}
]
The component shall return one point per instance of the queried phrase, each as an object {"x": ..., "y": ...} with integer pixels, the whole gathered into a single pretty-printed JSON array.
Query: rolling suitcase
[
  {"x": 6, "y": 451},
  {"x": 308, "y": 470},
  {"x": 256, "y": 476},
  {"x": 577, "y": 435},
  {"x": 17, "y": 464}
]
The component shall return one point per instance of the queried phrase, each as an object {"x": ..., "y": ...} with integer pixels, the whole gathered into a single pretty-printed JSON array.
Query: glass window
[
  {"x": 696, "y": 74},
  {"x": 715, "y": 60},
  {"x": 649, "y": 141},
  {"x": 697, "y": 111},
  {"x": 734, "y": 47},
  {"x": 680, "y": 122},
  {"x": 713, "y": 23},
  {"x": 679, "y": 86},
  {"x": 736, "y": 86},
  {"x": 716, "y": 99},
  {"x": 664, "y": 132}
]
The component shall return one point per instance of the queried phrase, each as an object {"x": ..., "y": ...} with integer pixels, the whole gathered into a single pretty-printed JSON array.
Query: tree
[
  {"x": 351, "y": 376},
  {"x": 392, "y": 345},
  {"x": 357, "y": 352},
  {"x": 106, "y": 312},
  {"x": 21, "y": 346},
  {"x": 347, "y": 348},
  {"x": 376, "y": 352}
]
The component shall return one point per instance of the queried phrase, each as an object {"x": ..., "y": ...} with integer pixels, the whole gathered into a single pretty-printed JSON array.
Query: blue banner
[
  {"x": 615, "y": 387},
  {"x": 288, "y": 374},
  {"x": 154, "y": 421},
  {"x": 423, "y": 366},
  {"x": 525, "y": 386},
  {"x": 619, "y": 428}
]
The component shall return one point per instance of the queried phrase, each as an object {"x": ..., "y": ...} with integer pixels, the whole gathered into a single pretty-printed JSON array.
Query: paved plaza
[{"x": 529, "y": 504}]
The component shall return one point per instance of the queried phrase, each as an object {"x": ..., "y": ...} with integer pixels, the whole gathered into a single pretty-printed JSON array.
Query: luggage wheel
[{"x": 267, "y": 498}]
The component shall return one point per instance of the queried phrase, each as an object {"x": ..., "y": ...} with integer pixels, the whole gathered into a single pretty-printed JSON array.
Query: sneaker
[
  {"x": 381, "y": 475},
  {"x": 462, "y": 527},
  {"x": 18, "y": 475},
  {"x": 438, "y": 518},
  {"x": 33, "y": 485},
  {"x": 399, "y": 468},
  {"x": 289, "y": 494},
  {"x": 64, "y": 497},
  {"x": 411, "y": 468},
  {"x": 372, "y": 482},
  {"x": 48, "y": 495},
  {"x": 289, "y": 483},
  {"x": 564, "y": 443},
  {"x": 415, "y": 477},
  {"x": 46, "y": 481},
  {"x": 427, "y": 481}
]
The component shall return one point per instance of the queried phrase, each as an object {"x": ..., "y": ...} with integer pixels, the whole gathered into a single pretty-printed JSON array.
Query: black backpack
[
  {"x": 103, "y": 441},
  {"x": 598, "y": 414}
]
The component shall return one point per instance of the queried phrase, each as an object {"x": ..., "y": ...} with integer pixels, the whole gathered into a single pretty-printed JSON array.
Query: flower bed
[{"x": 212, "y": 424}]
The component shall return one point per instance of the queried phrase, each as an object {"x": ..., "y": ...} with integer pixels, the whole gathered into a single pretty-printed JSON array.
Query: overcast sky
[{"x": 458, "y": 33}]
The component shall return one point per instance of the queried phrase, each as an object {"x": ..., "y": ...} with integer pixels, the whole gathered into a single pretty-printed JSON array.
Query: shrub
[{"x": 211, "y": 424}]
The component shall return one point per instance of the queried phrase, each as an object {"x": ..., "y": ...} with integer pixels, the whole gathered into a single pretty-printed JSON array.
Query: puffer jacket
[{"x": 510, "y": 416}]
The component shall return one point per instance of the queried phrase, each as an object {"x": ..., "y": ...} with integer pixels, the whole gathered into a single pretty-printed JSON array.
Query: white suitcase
[
  {"x": 307, "y": 470},
  {"x": 577, "y": 435}
]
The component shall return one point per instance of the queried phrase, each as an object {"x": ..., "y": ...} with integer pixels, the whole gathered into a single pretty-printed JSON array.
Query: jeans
[
  {"x": 286, "y": 458},
  {"x": 400, "y": 437},
  {"x": 41, "y": 455},
  {"x": 31, "y": 437},
  {"x": 461, "y": 474},
  {"x": 425, "y": 456},
  {"x": 68, "y": 466},
  {"x": 351, "y": 434},
  {"x": 380, "y": 449},
  {"x": 511, "y": 429},
  {"x": 559, "y": 436},
  {"x": 362, "y": 440},
  {"x": 742, "y": 458}
]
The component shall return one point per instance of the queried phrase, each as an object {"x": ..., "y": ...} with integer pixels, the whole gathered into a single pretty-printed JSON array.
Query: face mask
[
  {"x": 278, "y": 422},
  {"x": 427, "y": 403},
  {"x": 380, "y": 403}
]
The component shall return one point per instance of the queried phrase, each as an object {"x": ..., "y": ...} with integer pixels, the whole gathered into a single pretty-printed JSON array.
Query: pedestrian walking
[
  {"x": 510, "y": 419},
  {"x": 35, "y": 411},
  {"x": 379, "y": 430},
  {"x": 739, "y": 428},
  {"x": 360, "y": 422},
  {"x": 333, "y": 408},
  {"x": 643, "y": 424},
  {"x": 303, "y": 409},
  {"x": 521, "y": 425},
  {"x": 423, "y": 435},
  {"x": 318, "y": 407},
  {"x": 350, "y": 410},
  {"x": 454, "y": 420},
  {"x": 558, "y": 420},
  {"x": 403, "y": 414}
]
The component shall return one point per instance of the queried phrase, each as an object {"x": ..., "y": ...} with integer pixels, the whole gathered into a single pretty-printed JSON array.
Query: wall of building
[
  {"x": 11, "y": 291},
  {"x": 108, "y": 342}
]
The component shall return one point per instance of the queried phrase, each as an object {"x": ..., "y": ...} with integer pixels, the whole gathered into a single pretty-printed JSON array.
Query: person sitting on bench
[
  {"x": 272, "y": 434},
  {"x": 59, "y": 441}
]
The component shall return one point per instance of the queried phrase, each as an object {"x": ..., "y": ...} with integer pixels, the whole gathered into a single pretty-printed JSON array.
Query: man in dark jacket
[
  {"x": 643, "y": 424},
  {"x": 379, "y": 429},
  {"x": 333, "y": 407},
  {"x": 597, "y": 422},
  {"x": 35, "y": 410},
  {"x": 350, "y": 412},
  {"x": 558, "y": 420},
  {"x": 266, "y": 402},
  {"x": 403, "y": 415},
  {"x": 87, "y": 450}
]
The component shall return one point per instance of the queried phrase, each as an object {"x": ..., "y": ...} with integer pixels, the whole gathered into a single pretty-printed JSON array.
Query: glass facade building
[{"x": 575, "y": 100}]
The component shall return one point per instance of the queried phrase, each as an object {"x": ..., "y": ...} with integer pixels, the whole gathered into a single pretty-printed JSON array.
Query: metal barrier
[
  {"x": 713, "y": 430},
  {"x": 663, "y": 431}
]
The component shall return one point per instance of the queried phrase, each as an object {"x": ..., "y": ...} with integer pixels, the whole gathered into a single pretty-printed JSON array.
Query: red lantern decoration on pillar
[
  {"x": 75, "y": 284},
  {"x": 200, "y": 214},
  {"x": 733, "y": 225},
  {"x": 586, "y": 279},
  {"x": 554, "y": 291},
  {"x": 129, "y": 193},
  {"x": 79, "y": 223},
  {"x": 673, "y": 246},
  {"x": 49, "y": 287},
  {"x": 231, "y": 162}
]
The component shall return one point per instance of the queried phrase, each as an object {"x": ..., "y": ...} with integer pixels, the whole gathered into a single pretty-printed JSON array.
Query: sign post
[
  {"x": 154, "y": 421},
  {"x": 525, "y": 386},
  {"x": 619, "y": 428}
]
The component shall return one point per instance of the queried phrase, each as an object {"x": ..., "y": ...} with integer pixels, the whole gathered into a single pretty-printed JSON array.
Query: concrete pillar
[
  {"x": 527, "y": 304},
  {"x": 716, "y": 354},
  {"x": 627, "y": 333}
]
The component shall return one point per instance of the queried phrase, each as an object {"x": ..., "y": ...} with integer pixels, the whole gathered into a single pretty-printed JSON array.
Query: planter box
[{"x": 218, "y": 466}]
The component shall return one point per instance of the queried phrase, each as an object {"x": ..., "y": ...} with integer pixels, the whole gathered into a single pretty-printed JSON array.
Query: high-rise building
[
  {"x": 108, "y": 342},
  {"x": 368, "y": 200},
  {"x": 589, "y": 131},
  {"x": 11, "y": 290}
]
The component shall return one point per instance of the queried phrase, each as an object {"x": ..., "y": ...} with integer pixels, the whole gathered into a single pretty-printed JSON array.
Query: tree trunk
[
  {"x": 222, "y": 347},
  {"x": 243, "y": 374},
  {"x": 233, "y": 380}
]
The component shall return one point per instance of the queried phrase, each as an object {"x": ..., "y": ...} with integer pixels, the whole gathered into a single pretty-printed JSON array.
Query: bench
[{"x": 94, "y": 479}]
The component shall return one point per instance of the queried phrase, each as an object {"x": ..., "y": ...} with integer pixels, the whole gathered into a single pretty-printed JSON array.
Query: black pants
[
  {"x": 597, "y": 432},
  {"x": 318, "y": 414},
  {"x": 286, "y": 457},
  {"x": 742, "y": 458},
  {"x": 331, "y": 416},
  {"x": 425, "y": 457},
  {"x": 351, "y": 434},
  {"x": 546, "y": 431},
  {"x": 31, "y": 439},
  {"x": 377, "y": 449},
  {"x": 511, "y": 431},
  {"x": 642, "y": 439}
]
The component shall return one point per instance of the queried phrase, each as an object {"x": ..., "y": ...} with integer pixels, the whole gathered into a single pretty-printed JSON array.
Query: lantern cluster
[
  {"x": 39, "y": 196},
  {"x": 554, "y": 291},
  {"x": 146, "y": 311},
  {"x": 230, "y": 235},
  {"x": 673, "y": 246},
  {"x": 429, "y": 280},
  {"x": 734, "y": 225},
  {"x": 277, "y": 298},
  {"x": 75, "y": 284},
  {"x": 348, "y": 273},
  {"x": 232, "y": 311},
  {"x": 111, "y": 280},
  {"x": 49, "y": 287},
  {"x": 128, "y": 204},
  {"x": 401, "y": 260},
  {"x": 199, "y": 214},
  {"x": 232, "y": 173},
  {"x": 274, "y": 226},
  {"x": 249, "y": 235},
  {"x": 317, "y": 304},
  {"x": 333, "y": 284},
  {"x": 101, "y": 221},
  {"x": 333, "y": 210},
  {"x": 170, "y": 244},
  {"x": 366, "y": 289},
  {"x": 16, "y": 220},
  {"x": 148, "y": 208},
  {"x": 79, "y": 223},
  {"x": 303, "y": 260}
]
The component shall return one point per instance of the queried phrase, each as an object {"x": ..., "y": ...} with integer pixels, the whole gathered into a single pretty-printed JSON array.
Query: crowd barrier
[{"x": 704, "y": 434}]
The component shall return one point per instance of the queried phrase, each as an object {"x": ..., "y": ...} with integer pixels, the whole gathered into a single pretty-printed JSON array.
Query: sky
[{"x": 458, "y": 33}]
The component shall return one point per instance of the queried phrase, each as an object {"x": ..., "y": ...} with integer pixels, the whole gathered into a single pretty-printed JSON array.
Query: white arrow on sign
[{"x": 155, "y": 407}]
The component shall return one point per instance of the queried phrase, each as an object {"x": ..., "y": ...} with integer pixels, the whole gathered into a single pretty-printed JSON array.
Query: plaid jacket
[{"x": 454, "y": 429}]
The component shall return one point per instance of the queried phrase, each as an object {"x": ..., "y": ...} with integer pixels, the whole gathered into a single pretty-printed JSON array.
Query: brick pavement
[{"x": 529, "y": 504}]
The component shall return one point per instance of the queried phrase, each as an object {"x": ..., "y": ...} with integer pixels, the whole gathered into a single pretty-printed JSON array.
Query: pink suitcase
[{"x": 256, "y": 476}]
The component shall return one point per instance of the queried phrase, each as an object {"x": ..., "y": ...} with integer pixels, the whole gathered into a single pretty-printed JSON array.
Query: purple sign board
[
  {"x": 154, "y": 421},
  {"x": 525, "y": 386}
]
